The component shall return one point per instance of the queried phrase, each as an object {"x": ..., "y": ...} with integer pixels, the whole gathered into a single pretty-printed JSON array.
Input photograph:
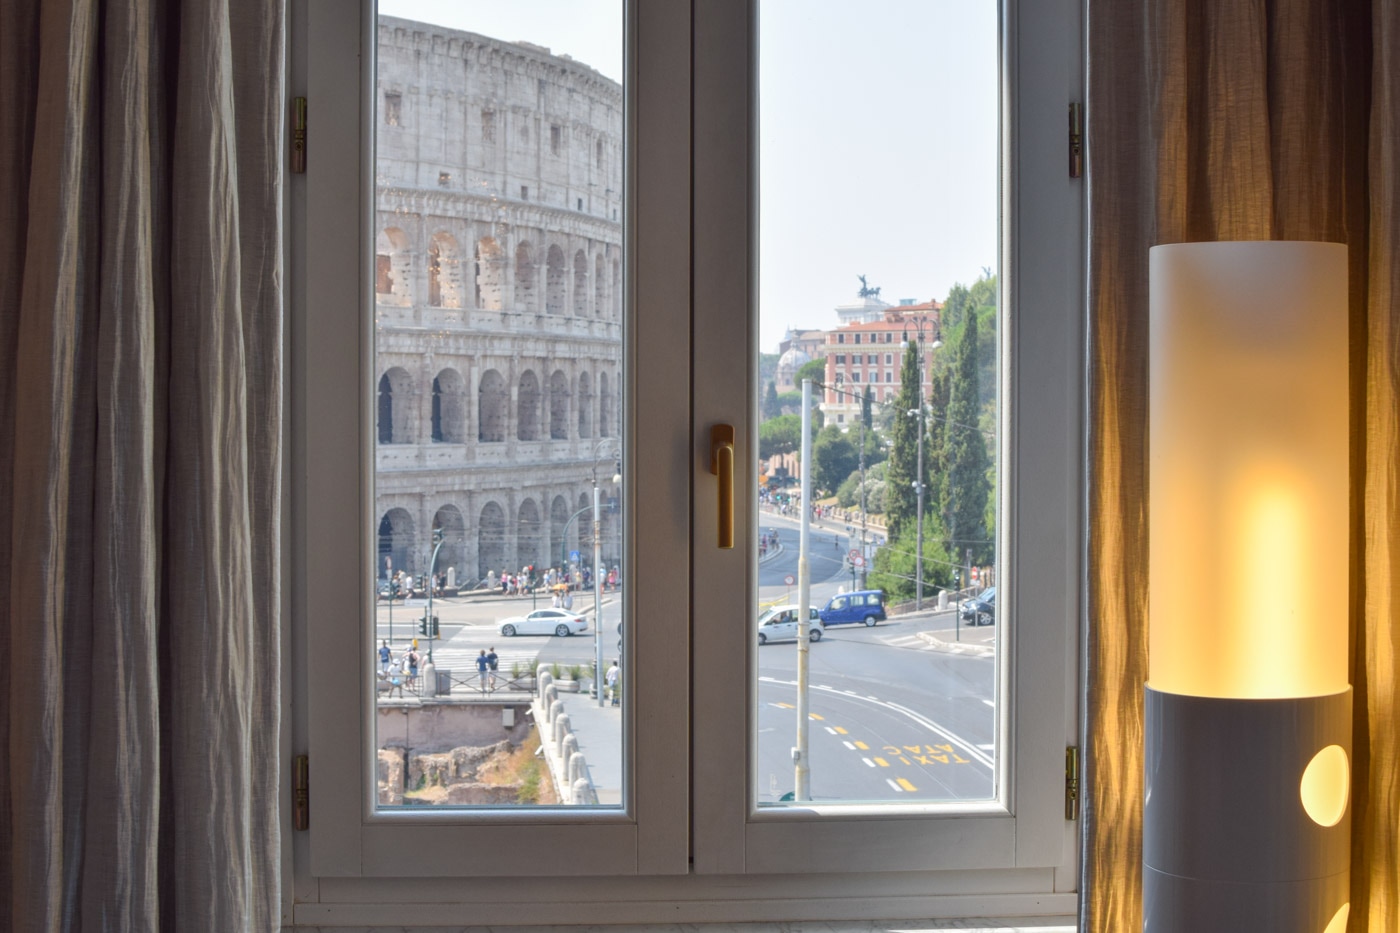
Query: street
[{"x": 894, "y": 715}]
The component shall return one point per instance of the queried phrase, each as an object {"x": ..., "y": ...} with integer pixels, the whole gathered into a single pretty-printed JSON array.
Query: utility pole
[
  {"x": 802, "y": 789},
  {"x": 864, "y": 560},
  {"x": 919, "y": 519}
]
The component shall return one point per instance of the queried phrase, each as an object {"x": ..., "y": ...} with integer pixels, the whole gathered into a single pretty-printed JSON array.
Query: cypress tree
[
  {"x": 901, "y": 499},
  {"x": 963, "y": 486}
]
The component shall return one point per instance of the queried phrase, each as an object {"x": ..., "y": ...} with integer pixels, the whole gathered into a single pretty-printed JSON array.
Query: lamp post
[
  {"x": 438, "y": 541},
  {"x": 919, "y": 474},
  {"x": 597, "y": 571}
]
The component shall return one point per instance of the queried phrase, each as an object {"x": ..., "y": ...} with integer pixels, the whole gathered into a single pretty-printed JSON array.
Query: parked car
[
  {"x": 865, "y": 606},
  {"x": 779, "y": 623},
  {"x": 980, "y": 609},
  {"x": 559, "y": 622}
]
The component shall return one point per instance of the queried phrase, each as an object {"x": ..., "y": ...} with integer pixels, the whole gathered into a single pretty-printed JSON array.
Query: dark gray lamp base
[{"x": 1227, "y": 845}]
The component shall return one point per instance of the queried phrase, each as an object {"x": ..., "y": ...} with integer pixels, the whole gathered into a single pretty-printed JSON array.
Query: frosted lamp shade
[{"x": 1249, "y": 469}]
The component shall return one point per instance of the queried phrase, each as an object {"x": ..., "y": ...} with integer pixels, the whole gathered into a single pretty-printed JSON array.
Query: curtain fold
[
  {"x": 1218, "y": 120},
  {"x": 140, "y": 426}
]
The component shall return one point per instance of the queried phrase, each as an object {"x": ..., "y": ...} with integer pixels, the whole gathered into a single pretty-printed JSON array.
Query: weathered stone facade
[{"x": 498, "y": 301}]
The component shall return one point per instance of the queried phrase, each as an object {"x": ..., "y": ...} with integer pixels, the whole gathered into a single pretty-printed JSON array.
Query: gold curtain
[{"x": 1224, "y": 120}]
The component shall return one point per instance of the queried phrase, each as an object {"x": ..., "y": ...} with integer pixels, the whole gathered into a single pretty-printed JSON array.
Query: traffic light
[
  {"x": 423, "y": 626},
  {"x": 435, "y": 626}
]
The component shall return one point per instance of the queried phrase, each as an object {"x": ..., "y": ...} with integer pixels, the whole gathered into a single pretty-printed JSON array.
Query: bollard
[
  {"x": 568, "y": 752},
  {"x": 562, "y": 727},
  {"x": 556, "y": 709},
  {"x": 429, "y": 675},
  {"x": 578, "y": 768},
  {"x": 583, "y": 792},
  {"x": 942, "y": 600},
  {"x": 550, "y": 695}
]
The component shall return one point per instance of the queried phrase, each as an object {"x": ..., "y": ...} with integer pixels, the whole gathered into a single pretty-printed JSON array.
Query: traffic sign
[
  {"x": 854, "y": 555},
  {"x": 573, "y": 556},
  {"x": 858, "y": 561},
  {"x": 789, "y": 580}
]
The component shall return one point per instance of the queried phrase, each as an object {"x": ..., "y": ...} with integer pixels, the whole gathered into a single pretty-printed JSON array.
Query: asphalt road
[{"x": 891, "y": 717}]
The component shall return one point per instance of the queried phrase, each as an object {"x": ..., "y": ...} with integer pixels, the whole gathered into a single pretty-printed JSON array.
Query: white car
[
  {"x": 559, "y": 622},
  {"x": 779, "y": 623}
]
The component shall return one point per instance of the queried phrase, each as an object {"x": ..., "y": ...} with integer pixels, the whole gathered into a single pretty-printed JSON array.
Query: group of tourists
[{"x": 397, "y": 673}]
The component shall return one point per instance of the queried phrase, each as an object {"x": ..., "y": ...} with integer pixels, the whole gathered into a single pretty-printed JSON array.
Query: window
[
  {"x": 691, "y": 811},
  {"x": 855, "y": 377},
  {"x": 840, "y": 338},
  {"x": 889, "y": 357},
  {"x": 840, "y": 357},
  {"x": 524, "y": 192},
  {"x": 488, "y": 126},
  {"x": 857, "y": 338},
  {"x": 393, "y": 109},
  {"x": 556, "y": 138}
]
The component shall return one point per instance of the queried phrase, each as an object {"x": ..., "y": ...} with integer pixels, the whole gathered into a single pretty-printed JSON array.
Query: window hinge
[
  {"x": 301, "y": 809},
  {"x": 1072, "y": 782},
  {"x": 298, "y": 135},
  {"x": 1076, "y": 140}
]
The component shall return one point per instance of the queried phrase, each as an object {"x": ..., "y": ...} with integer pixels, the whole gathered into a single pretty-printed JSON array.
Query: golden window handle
[{"x": 722, "y": 465}]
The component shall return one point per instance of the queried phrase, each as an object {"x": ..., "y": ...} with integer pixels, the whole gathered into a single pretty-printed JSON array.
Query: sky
[{"x": 877, "y": 138}]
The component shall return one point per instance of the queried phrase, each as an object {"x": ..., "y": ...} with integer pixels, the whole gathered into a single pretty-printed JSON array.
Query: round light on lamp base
[{"x": 1246, "y": 821}]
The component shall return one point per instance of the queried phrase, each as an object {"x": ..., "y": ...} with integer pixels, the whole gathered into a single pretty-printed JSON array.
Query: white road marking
[
  {"x": 894, "y": 785},
  {"x": 868, "y": 762},
  {"x": 987, "y": 748},
  {"x": 990, "y": 703},
  {"x": 833, "y": 732},
  {"x": 849, "y": 745},
  {"x": 971, "y": 749}
]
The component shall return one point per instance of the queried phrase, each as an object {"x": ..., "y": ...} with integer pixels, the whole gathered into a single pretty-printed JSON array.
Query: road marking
[
  {"x": 906, "y": 785},
  {"x": 849, "y": 745},
  {"x": 894, "y": 785},
  {"x": 990, "y": 703},
  {"x": 830, "y": 730},
  {"x": 840, "y": 731},
  {"x": 784, "y": 706},
  {"x": 971, "y": 749},
  {"x": 882, "y": 762},
  {"x": 861, "y": 745},
  {"x": 814, "y": 716},
  {"x": 987, "y": 748},
  {"x": 868, "y": 762}
]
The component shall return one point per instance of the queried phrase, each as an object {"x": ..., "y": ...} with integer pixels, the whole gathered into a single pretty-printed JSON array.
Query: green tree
[
  {"x": 834, "y": 457},
  {"x": 901, "y": 498},
  {"x": 894, "y": 569},
  {"x": 963, "y": 487},
  {"x": 780, "y": 435},
  {"x": 771, "y": 407},
  {"x": 814, "y": 370}
]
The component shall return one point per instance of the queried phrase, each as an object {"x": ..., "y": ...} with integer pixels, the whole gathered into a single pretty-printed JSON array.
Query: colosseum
[{"x": 498, "y": 302}]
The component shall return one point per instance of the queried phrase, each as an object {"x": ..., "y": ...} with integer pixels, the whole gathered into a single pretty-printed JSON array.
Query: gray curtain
[
  {"x": 1239, "y": 119},
  {"x": 140, "y": 450}
]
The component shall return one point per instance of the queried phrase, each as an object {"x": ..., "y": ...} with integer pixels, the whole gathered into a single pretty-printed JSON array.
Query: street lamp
[
  {"x": 919, "y": 474},
  {"x": 597, "y": 570}
]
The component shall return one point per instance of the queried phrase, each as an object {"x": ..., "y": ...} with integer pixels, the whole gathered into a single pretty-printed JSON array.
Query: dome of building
[{"x": 793, "y": 360}]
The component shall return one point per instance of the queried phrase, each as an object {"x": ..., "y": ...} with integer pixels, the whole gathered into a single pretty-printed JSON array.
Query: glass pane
[
  {"x": 498, "y": 303},
  {"x": 878, "y": 128}
]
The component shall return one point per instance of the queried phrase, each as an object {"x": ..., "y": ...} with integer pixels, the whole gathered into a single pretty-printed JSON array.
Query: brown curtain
[
  {"x": 1220, "y": 120},
  {"x": 140, "y": 423}
]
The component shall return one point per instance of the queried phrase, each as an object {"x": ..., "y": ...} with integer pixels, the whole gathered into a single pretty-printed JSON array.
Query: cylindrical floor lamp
[{"x": 1248, "y": 703}]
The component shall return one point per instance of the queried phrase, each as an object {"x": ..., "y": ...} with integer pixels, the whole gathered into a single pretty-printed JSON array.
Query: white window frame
[{"x": 688, "y": 826}]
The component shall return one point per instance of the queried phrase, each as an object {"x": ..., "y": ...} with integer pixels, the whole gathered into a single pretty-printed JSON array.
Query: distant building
[
  {"x": 870, "y": 353},
  {"x": 498, "y": 301}
]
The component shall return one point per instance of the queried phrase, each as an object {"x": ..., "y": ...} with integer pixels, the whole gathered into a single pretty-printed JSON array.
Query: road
[{"x": 892, "y": 717}]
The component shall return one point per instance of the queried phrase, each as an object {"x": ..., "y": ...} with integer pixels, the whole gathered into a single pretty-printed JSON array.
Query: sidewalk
[
  {"x": 943, "y": 633},
  {"x": 598, "y": 731}
]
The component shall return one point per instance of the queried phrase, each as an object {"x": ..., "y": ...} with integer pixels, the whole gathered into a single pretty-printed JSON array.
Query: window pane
[
  {"x": 879, "y": 225},
  {"x": 498, "y": 327}
]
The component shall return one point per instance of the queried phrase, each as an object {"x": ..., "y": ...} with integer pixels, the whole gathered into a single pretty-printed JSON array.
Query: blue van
[{"x": 866, "y": 606}]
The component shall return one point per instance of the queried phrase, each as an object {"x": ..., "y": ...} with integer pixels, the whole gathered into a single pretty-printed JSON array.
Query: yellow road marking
[
  {"x": 813, "y": 716},
  {"x": 840, "y": 731},
  {"x": 905, "y": 784},
  {"x": 861, "y": 745},
  {"x": 784, "y": 706},
  {"x": 882, "y": 762}
]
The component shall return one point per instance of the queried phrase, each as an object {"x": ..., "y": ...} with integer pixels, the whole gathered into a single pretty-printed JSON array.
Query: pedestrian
[
  {"x": 384, "y": 656},
  {"x": 611, "y": 680},
  {"x": 568, "y": 600},
  {"x": 483, "y": 666},
  {"x": 492, "y": 661},
  {"x": 413, "y": 659}
]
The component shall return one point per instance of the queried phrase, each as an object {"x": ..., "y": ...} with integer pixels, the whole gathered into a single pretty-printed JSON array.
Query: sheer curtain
[
  {"x": 140, "y": 424},
  {"x": 1239, "y": 119}
]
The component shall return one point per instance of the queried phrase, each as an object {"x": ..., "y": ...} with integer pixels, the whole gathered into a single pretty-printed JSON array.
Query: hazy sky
[{"x": 877, "y": 126}]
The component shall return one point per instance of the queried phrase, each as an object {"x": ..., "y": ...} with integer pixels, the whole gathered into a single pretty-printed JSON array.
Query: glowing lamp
[{"x": 1248, "y": 705}]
